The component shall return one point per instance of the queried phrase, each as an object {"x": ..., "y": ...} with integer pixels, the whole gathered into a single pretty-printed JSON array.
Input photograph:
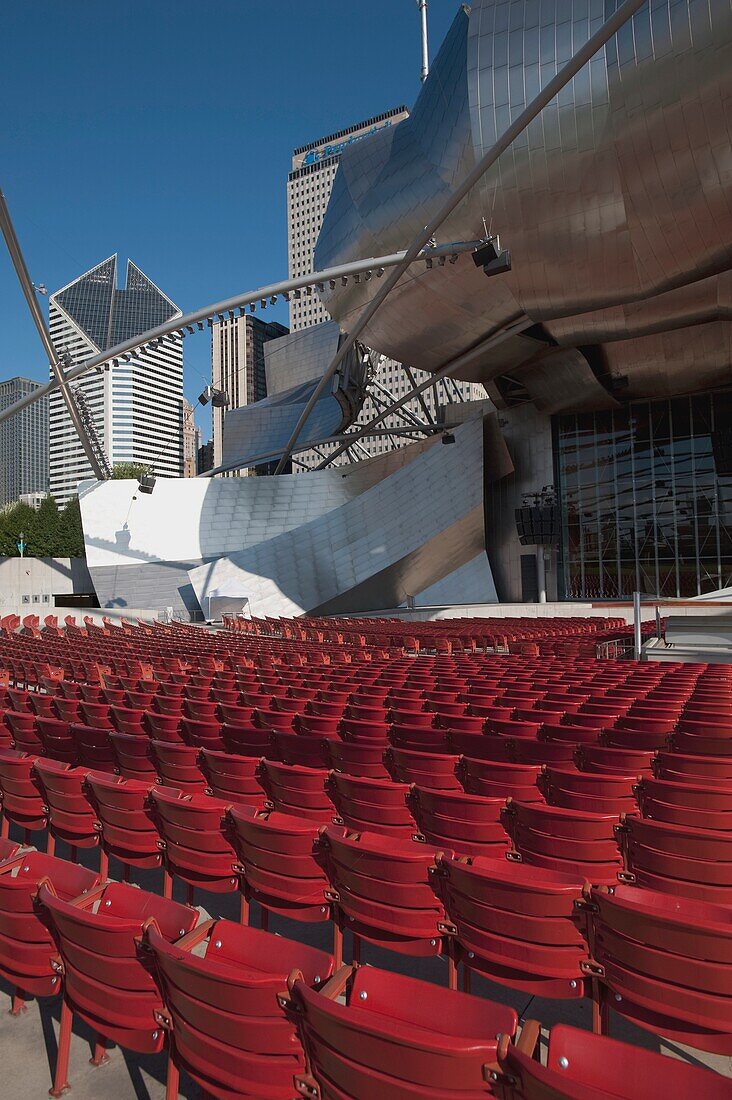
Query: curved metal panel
[
  {"x": 139, "y": 548},
  {"x": 294, "y": 364},
  {"x": 395, "y": 539},
  {"x": 615, "y": 203}
]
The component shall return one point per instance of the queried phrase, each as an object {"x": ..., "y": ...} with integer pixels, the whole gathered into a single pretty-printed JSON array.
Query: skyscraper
[
  {"x": 23, "y": 443},
  {"x": 135, "y": 406},
  {"x": 309, "y": 185},
  {"x": 237, "y": 367},
  {"x": 191, "y": 440}
]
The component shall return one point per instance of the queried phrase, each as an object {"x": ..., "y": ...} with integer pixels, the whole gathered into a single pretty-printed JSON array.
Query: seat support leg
[
  {"x": 167, "y": 885},
  {"x": 451, "y": 971},
  {"x": 103, "y": 864},
  {"x": 337, "y": 946},
  {"x": 172, "y": 1080},
  {"x": 17, "y": 1004},
  {"x": 244, "y": 910},
  {"x": 100, "y": 1055},
  {"x": 61, "y": 1076}
]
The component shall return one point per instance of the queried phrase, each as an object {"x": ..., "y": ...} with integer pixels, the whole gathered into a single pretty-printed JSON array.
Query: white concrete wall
[{"x": 40, "y": 579}]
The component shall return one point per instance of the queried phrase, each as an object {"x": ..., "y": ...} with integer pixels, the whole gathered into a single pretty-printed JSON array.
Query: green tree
[
  {"x": 46, "y": 529},
  {"x": 70, "y": 539},
  {"x": 122, "y": 471},
  {"x": 21, "y": 518}
]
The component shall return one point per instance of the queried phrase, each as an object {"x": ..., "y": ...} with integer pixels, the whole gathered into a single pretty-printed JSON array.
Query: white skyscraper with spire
[{"x": 136, "y": 406}]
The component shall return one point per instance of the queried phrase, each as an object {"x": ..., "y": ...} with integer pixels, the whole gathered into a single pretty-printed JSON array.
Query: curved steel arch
[{"x": 229, "y": 305}]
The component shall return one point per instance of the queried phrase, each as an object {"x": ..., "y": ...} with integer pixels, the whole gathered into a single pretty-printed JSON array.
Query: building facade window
[{"x": 646, "y": 498}]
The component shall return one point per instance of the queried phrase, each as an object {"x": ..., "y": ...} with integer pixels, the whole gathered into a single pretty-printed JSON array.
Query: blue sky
[{"x": 163, "y": 130}]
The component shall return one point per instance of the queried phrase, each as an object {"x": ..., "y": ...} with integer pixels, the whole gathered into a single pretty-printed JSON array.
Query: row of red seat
[
  {"x": 366, "y": 873},
  {"x": 246, "y": 1013}
]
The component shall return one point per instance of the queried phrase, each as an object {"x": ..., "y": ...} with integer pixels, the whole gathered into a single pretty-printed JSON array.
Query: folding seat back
[
  {"x": 602, "y": 758},
  {"x": 396, "y": 1037},
  {"x": 58, "y": 744},
  {"x": 298, "y": 748},
  {"x": 163, "y": 727},
  {"x": 583, "y": 1066},
  {"x": 354, "y": 730},
  {"x": 713, "y": 742},
  {"x": 201, "y": 710},
  {"x": 382, "y": 891},
  {"x": 232, "y": 778},
  {"x": 563, "y": 733},
  {"x": 133, "y": 756},
  {"x": 19, "y": 699},
  {"x": 292, "y": 789},
  {"x": 64, "y": 708},
  {"x": 638, "y": 734},
  {"x": 318, "y": 725},
  {"x": 357, "y": 758},
  {"x": 433, "y": 770},
  {"x": 127, "y": 719},
  {"x": 93, "y": 747},
  {"x": 680, "y": 768},
  {"x": 26, "y": 945},
  {"x": 664, "y": 962},
  {"x": 514, "y": 924},
  {"x": 417, "y": 738},
  {"x": 126, "y": 823},
  {"x": 71, "y": 816},
  {"x": 675, "y": 859},
  {"x": 697, "y": 805},
  {"x": 196, "y": 839},
  {"x": 166, "y": 706},
  {"x": 513, "y": 728},
  {"x": 96, "y": 715},
  {"x": 374, "y": 805},
  {"x": 571, "y": 841},
  {"x": 177, "y": 765},
  {"x": 273, "y": 719},
  {"x": 202, "y": 735},
  {"x": 362, "y": 712},
  {"x": 21, "y": 793},
  {"x": 229, "y": 1030},
  {"x": 553, "y": 753},
  {"x": 593, "y": 792},
  {"x": 246, "y": 739},
  {"x": 107, "y": 982},
  {"x": 467, "y": 823},
  {"x": 494, "y": 779},
  {"x": 282, "y": 862},
  {"x": 23, "y": 731}
]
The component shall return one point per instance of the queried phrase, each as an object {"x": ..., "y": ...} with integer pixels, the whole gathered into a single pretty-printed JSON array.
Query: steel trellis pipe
[{"x": 176, "y": 324}]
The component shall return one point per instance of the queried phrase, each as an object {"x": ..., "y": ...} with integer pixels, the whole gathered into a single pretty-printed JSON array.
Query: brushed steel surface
[{"x": 615, "y": 203}]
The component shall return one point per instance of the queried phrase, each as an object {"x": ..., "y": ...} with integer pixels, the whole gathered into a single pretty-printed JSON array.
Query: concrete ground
[{"x": 28, "y": 1043}]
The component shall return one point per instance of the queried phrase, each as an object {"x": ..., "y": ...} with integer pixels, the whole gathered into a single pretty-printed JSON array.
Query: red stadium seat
[
  {"x": 583, "y": 1066},
  {"x": 383, "y": 892},
  {"x": 26, "y": 946},
  {"x": 229, "y": 1030},
  {"x": 515, "y": 924},
  {"x": 664, "y": 962},
  {"x": 106, "y": 982},
  {"x": 282, "y": 863},
  {"x": 395, "y": 1037},
  {"x": 374, "y": 805}
]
